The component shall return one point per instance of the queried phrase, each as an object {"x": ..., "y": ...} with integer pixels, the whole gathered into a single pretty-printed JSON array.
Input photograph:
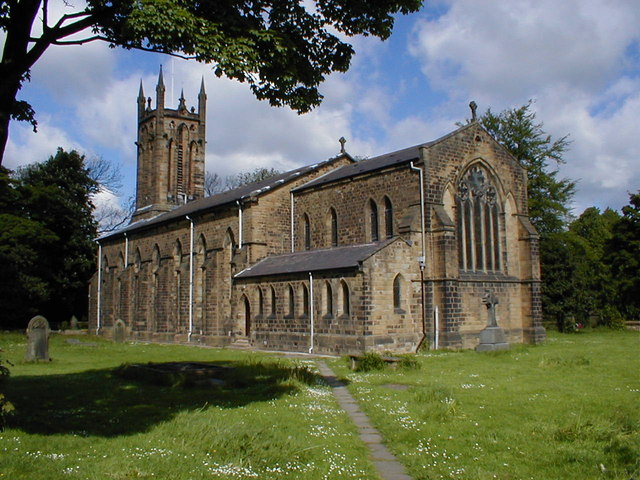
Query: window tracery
[{"x": 478, "y": 222}]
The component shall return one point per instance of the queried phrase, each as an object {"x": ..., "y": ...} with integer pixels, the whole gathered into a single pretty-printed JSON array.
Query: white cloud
[
  {"x": 573, "y": 57},
  {"x": 25, "y": 147}
]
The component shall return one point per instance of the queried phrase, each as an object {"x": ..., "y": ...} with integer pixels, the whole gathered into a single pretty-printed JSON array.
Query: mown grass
[
  {"x": 567, "y": 409},
  {"x": 77, "y": 418}
]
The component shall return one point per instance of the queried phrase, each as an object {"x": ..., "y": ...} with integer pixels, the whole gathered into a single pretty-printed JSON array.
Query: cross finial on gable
[
  {"x": 342, "y": 142},
  {"x": 473, "y": 106}
]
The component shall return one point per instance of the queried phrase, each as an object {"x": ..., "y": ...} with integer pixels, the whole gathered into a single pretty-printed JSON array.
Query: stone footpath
[{"x": 388, "y": 467}]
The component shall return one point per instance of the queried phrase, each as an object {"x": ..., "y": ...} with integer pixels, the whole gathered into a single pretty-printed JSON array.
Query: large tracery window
[{"x": 478, "y": 222}]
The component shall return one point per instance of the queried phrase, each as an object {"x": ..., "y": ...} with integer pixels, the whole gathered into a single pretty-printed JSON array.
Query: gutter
[
  {"x": 311, "y": 318},
  {"x": 240, "y": 239},
  {"x": 190, "y": 278},
  {"x": 422, "y": 258},
  {"x": 99, "y": 302},
  {"x": 291, "y": 223}
]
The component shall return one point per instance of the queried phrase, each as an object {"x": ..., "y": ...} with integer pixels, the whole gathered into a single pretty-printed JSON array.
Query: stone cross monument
[{"x": 492, "y": 337}]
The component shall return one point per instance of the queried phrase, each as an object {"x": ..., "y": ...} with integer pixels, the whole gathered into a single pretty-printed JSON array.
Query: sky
[{"x": 577, "y": 60}]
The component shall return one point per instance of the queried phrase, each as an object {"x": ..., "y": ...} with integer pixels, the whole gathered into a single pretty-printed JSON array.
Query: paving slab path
[{"x": 387, "y": 465}]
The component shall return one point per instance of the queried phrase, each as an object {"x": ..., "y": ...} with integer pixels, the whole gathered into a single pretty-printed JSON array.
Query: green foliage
[
  {"x": 46, "y": 208},
  {"x": 282, "y": 49},
  {"x": 370, "y": 361},
  {"x": 622, "y": 254},
  {"x": 578, "y": 282},
  {"x": 549, "y": 196},
  {"x": 409, "y": 362},
  {"x": 6, "y": 407}
]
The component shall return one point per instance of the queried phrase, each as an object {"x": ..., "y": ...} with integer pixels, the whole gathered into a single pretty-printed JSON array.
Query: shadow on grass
[{"x": 105, "y": 403}]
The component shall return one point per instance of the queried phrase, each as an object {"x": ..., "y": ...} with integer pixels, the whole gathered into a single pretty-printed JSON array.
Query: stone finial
[
  {"x": 182, "y": 102},
  {"x": 342, "y": 142},
  {"x": 473, "y": 106}
]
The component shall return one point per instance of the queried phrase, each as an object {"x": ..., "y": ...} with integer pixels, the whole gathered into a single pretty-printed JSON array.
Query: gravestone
[
  {"x": 492, "y": 337},
  {"x": 37, "y": 339},
  {"x": 74, "y": 322},
  {"x": 119, "y": 331}
]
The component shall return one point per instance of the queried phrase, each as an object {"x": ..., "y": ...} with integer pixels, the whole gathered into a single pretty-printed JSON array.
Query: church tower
[{"x": 170, "y": 153}]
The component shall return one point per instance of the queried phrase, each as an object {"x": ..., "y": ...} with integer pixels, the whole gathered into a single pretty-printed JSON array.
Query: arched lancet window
[
  {"x": 334, "y": 227},
  {"x": 346, "y": 299},
  {"x": 397, "y": 292},
  {"x": 328, "y": 299},
  {"x": 305, "y": 300},
  {"x": 200, "y": 280},
  {"x": 273, "y": 301},
  {"x": 291, "y": 300},
  {"x": 155, "y": 258},
  {"x": 373, "y": 215},
  {"x": 388, "y": 217},
  {"x": 478, "y": 222},
  {"x": 247, "y": 316},
  {"x": 307, "y": 231},
  {"x": 177, "y": 253},
  {"x": 260, "y": 302},
  {"x": 137, "y": 261}
]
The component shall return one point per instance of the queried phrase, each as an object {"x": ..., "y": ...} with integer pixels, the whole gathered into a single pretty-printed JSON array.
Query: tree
[
  {"x": 46, "y": 240},
  {"x": 549, "y": 197},
  {"x": 214, "y": 184},
  {"x": 549, "y": 210},
  {"x": 279, "y": 47},
  {"x": 622, "y": 253}
]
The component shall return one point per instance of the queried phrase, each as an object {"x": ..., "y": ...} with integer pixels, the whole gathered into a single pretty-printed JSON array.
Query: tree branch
[{"x": 81, "y": 41}]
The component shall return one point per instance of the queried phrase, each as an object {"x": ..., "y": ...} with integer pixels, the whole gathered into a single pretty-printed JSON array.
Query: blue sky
[{"x": 579, "y": 60}]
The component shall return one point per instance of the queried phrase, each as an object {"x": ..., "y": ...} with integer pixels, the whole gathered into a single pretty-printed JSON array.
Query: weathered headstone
[
  {"x": 119, "y": 331},
  {"x": 74, "y": 322},
  {"x": 492, "y": 337},
  {"x": 37, "y": 339}
]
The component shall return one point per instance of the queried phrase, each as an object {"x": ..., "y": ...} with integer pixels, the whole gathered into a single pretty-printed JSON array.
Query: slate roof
[
  {"x": 363, "y": 166},
  {"x": 220, "y": 199},
  {"x": 335, "y": 258},
  {"x": 376, "y": 163}
]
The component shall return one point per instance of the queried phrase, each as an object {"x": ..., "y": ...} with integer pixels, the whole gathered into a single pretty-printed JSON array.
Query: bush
[
  {"x": 409, "y": 362},
  {"x": 370, "y": 361},
  {"x": 611, "y": 318},
  {"x": 6, "y": 407}
]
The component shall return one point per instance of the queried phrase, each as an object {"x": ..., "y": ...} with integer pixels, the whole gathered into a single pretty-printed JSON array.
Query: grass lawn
[
  {"x": 77, "y": 419},
  {"x": 568, "y": 409}
]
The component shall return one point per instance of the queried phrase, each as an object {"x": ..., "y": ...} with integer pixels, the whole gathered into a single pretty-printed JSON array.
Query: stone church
[{"x": 390, "y": 253}]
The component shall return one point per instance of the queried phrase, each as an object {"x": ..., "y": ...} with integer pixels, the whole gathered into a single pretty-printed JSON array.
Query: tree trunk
[{"x": 8, "y": 91}]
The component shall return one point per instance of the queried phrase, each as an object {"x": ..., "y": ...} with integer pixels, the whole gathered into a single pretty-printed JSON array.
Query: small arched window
[
  {"x": 388, "y": 217},
  {"x": 334, "y": 227},
  {"x": 307, "y": 232},
  {"x": 292, "y": 302},
  {"x": 373, "y": 214},
  {"x": 346, "y": 300},
  {"x": 137, "y": 260},
  {"x": 305, "y": 300},
  {"x": 397, "y": 292},
  {"x": 273, "y": 301},
  {"x": 177, "y": 254},
  {"x": 260, "y": 302},
  {"x": 155, "y": 258},
  {"x": 328, "y": 299}
]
